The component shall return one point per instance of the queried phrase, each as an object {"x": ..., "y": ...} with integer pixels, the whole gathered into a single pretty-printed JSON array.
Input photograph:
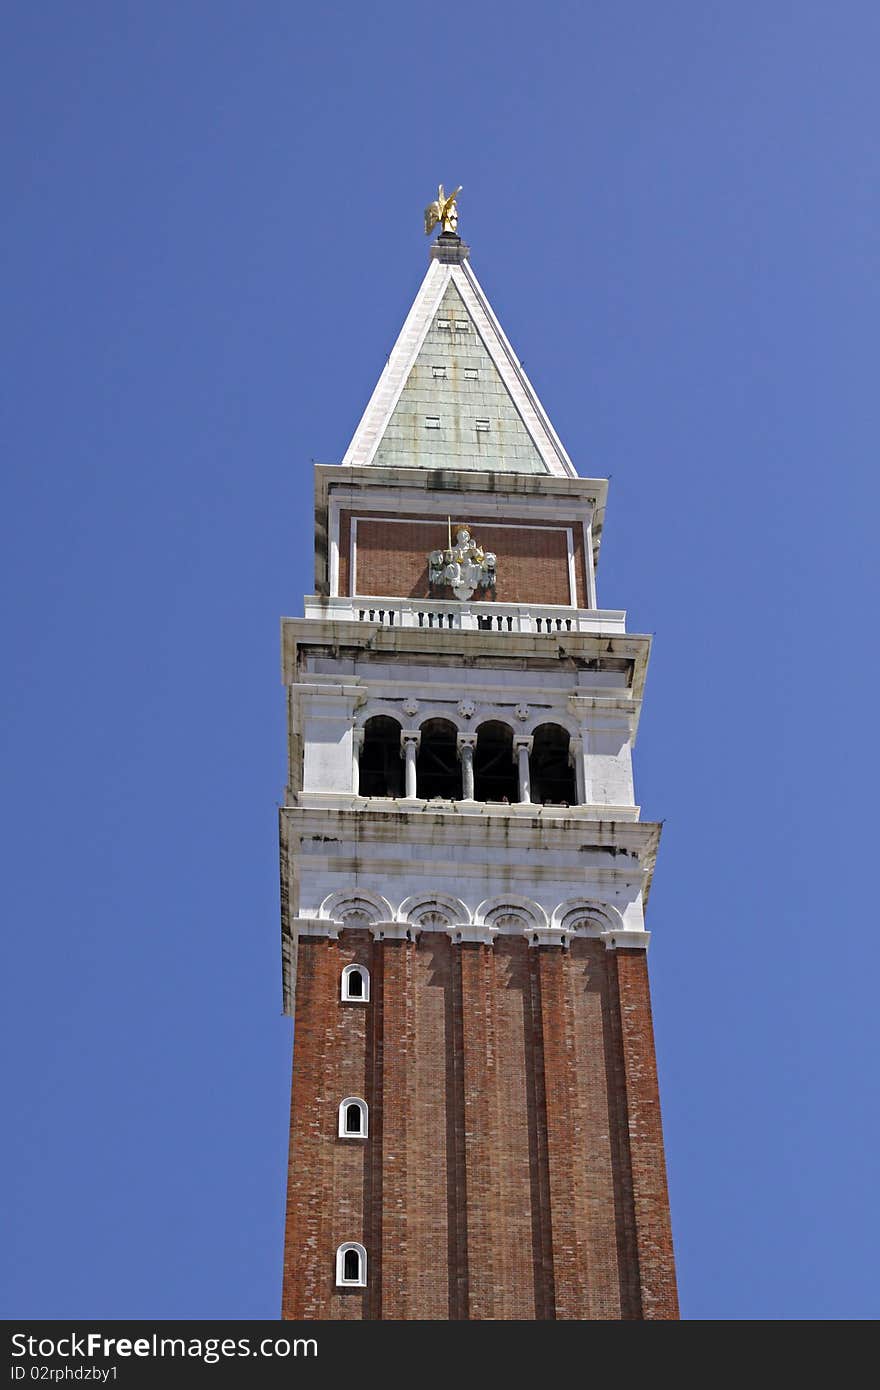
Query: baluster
[
  {"x": 361, "y": 615},
  {"x": 510, "y": 622},
  {"x": 372, "y": 614}
]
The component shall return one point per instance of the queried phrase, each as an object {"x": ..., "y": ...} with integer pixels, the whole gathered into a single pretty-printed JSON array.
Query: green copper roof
[{"x": 454, "y": 410}]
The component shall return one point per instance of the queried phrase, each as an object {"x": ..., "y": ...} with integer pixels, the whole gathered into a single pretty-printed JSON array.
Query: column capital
[
  {"x": 410, "y": 736},
  {"x": 466, "y": 741},
  {"x": 522, "y": 741}
]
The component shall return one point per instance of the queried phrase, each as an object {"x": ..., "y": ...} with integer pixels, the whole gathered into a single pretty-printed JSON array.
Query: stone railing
[{"x": 466, "y": 616}]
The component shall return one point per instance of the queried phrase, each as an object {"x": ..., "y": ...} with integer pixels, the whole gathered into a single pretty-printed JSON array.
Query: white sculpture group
[{"x": 462, "y": 567}]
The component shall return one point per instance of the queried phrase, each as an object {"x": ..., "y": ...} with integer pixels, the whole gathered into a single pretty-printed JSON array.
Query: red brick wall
[
  {"x": 659, "y": 1295},
  {"x": 326, "y": 1177},
  {"x": 532, "y": 564},
  {"x": 515, "y": 1166}
]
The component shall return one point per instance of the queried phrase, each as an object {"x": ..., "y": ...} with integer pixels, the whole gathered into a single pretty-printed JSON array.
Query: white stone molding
[
  {"x": 318, "y": 926},
  {"x": 495, "y": 912},
  {"x": 356, "y": 902},
  {"x": 361, "y": 1281},
  {"x": 572, "y": 574},
  {"x": 587, "y": 917},
  {"x": 357, "y": 743},
  {"x": 415, "y": 908},
  {"x": 345, "y": 992},
  {"x": 395, "y": 931},
  {"x": 591, "y": 595},
  {"x": 471, "y": 932},
  {"x": 626, "y": 940},
  {"x": 363, "y": 1130},
  {"x": 387, "y": 708},
  {"x": 548, "y": 937}
]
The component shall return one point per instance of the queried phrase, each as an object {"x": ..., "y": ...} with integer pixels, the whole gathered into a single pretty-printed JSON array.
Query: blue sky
[{"x": 211, "y": 234}]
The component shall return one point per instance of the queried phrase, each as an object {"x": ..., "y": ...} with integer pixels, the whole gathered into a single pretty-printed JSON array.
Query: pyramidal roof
[{"x": 453, "y": 394}]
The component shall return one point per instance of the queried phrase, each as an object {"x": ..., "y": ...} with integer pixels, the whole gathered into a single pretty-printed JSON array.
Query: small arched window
[
  {"x": 353, "y": 1118},
  {"x": 355, "y": 984},
  {"x": 351, "y": 1266}
]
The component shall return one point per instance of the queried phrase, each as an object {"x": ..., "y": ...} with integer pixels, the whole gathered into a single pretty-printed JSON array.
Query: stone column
[
  {"x": 522, "y": 747},
  {"x": 357, "y": 743},
  {"x": 466, "y": 745},
  {"x": 409, "y": 742}
]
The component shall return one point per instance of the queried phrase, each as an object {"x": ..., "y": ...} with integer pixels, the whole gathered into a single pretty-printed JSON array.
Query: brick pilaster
[{"x": 659, "y": 1296}]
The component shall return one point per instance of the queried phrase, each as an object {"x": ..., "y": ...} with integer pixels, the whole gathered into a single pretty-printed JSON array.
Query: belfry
[{"x": 475, "y": 1120}]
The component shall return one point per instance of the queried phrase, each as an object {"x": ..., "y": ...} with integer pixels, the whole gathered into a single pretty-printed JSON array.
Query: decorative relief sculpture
[
  {"x": 462, "y": 567},
  {"x": 467, "y": 709}
]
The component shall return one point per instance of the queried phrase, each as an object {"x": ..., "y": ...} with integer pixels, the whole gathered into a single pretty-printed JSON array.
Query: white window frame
[
  {"x": 343, "y": 987},
  {"x": 364, "y": 1131},
  {"x": 361, "y": 1281}
]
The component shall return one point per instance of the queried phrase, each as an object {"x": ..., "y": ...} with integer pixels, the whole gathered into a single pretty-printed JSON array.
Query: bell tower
[{"x": 475, "y": 1121}]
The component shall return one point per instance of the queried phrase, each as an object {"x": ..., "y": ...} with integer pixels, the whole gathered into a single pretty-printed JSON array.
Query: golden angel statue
[{"x": 442, "y": 210}]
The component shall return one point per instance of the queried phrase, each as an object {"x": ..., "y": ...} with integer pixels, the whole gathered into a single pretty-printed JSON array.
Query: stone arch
[
  {"x": 491, "y": 716},
  {"x": 551, "y": 716},
  {"x": 438, "y": 769},
  {"x": 380, "y": 772},
  {"x": 356, "y": 907},
  {"x": 511, "y": 914},
  {"x": 434, "y": 910},
  {"x": 587, "y": 917},
  {"x": 495, "y": 774},
  {"x": 553, "y": 781}
]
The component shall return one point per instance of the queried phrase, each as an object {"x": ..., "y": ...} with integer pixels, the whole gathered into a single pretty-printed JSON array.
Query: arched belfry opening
[
  {"x": 381, "y": 766},
  {"x": 438, "y": 770},
  {"x": 495, "y": 776},
  {"x": 552, "y": 776}
]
